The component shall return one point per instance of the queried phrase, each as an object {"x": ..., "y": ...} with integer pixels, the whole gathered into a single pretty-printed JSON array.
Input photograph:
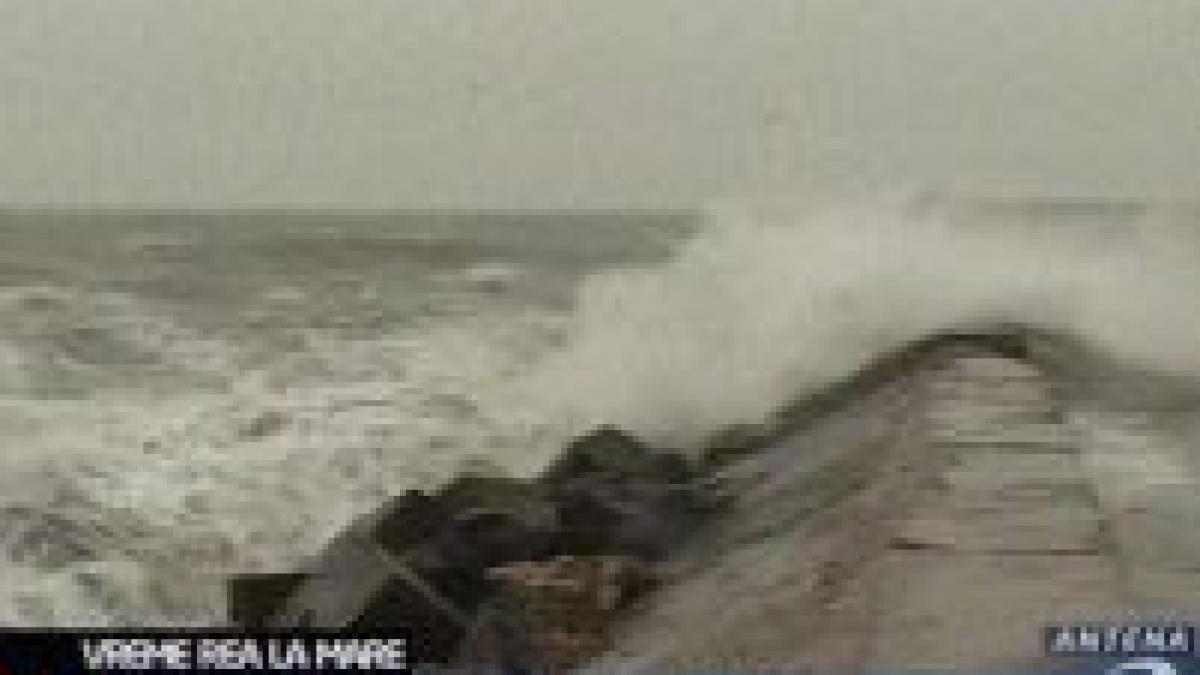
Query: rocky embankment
[
  {"x": 931, "y": 511},
  {"x": 497, "y": 571}
]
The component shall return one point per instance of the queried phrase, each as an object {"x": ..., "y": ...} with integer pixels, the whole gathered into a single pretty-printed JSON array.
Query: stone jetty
[{"x": 934, "y": 510}]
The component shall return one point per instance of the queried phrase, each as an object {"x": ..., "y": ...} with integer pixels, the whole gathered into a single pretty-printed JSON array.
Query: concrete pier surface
[{"x": 940, "y": 521}]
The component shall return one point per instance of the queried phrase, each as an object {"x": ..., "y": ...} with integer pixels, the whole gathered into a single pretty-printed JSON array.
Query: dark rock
[
  {"x": 423, "y": 560},
  {"x": 641, "y": 520},
  {"x": 415, "y": 563},
  {"x": 455, "y": 536},
  {"x": 409, "y": 519},
  {"x": 456, "y": 561},
  {"x": 616, "y": 455},
  {"x": 254, "y": 597},
  {"x": 353, "y": 573},
  {"x": 616, "y": 495},
  {"x": 486, "y": 537},
  {"x": 479, "y": 488}
]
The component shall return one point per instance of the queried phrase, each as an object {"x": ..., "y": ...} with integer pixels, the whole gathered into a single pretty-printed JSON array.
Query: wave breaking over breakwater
[{"x": 770, "y": 302}]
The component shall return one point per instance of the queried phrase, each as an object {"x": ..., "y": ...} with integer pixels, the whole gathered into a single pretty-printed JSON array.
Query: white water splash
[{"x": 767, "y": 303}]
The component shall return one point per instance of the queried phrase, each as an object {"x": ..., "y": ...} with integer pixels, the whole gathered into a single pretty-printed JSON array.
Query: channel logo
[{"x": 1161, "y": 640}]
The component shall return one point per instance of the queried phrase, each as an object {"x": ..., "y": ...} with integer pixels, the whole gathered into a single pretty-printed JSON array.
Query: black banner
[{"x": 190, "y": 650}]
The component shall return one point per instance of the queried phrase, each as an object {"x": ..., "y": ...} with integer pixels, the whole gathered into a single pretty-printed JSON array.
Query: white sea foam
[{"x": 154, "y": 488}]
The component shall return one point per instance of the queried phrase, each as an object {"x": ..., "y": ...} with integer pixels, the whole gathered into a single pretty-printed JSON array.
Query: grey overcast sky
[{"x": 550, "y": 103}]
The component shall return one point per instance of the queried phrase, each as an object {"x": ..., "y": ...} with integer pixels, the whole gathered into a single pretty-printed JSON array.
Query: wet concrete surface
[{"x": 940, "y": 521}]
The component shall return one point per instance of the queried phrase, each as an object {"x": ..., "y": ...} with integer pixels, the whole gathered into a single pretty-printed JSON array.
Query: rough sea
[{"x": 187, "y": 395}]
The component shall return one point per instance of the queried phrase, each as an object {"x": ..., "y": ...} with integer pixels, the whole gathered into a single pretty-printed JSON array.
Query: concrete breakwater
[
  {"x": 931, "y": 510},
  {"x": 988, "y": 490}
]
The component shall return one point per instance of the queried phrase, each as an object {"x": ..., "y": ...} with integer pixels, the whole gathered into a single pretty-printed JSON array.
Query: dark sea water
[{"x": 187, "y": 395}]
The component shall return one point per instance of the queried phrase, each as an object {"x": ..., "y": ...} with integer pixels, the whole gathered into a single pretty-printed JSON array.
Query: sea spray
[{"x": 768, "y": 303}]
